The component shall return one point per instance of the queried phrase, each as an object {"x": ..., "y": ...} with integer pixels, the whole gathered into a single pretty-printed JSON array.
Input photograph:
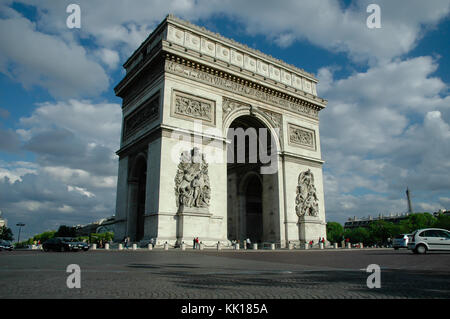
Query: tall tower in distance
[{"x": 408, "y": 196}]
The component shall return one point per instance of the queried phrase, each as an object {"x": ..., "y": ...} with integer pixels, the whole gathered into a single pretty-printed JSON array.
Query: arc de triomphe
[{"x": 185, "y": 90}]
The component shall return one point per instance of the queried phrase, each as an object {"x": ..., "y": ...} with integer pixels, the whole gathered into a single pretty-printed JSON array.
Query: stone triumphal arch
[{"x": 219, "y": 141}]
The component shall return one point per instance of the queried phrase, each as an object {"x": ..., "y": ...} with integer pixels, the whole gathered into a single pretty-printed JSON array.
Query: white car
[
  {"x": 401, "y": 241},
  {"x": 423, "y": 240}
]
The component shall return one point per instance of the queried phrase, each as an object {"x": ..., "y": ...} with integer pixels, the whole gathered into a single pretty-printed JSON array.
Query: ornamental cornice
[
  {"x": 188, "y": 39},
  {"x": 223, "y": 80},
  {"x": 203, "y": 31}
]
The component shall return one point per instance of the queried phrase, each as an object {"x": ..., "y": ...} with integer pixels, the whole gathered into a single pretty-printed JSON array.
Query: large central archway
[{"x": 252, "y": 210}]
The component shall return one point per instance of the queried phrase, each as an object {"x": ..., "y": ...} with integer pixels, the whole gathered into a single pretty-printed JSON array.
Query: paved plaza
[{"x": 225, "y": 274}]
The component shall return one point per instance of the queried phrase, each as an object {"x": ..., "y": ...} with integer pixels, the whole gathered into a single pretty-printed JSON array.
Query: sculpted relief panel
[
  {"x": 143, "y": 115},
  {"x": 192, "y": 187},
  {"x": 303, "y": 137},
  {"x": 188, "y": 106},
  {"x": 307, "y": 203}
]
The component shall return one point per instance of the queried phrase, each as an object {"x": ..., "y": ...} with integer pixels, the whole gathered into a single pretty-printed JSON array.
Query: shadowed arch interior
[
  {"x": 139, "y": 181},
  {"x": 247, "y": 215}
]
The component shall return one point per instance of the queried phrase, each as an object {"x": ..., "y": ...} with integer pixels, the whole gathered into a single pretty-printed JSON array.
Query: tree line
[
  {"x": 379, "y": 231},
  {"x": 67, "y": 231}
]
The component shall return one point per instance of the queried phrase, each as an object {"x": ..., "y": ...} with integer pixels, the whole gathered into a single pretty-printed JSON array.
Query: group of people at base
[
  {"x": 321, "y": 240},
  {"x": 126, "y": 242},
  {"x": 196, "y": 243},
  {"x": 247, "y": 243}
]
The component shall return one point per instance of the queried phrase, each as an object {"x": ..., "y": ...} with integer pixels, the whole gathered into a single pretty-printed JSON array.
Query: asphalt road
[{"x": 225, "y": 274}]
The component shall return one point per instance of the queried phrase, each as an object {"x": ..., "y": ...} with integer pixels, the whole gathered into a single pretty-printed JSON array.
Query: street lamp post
[{"x": 20, "y": 227}]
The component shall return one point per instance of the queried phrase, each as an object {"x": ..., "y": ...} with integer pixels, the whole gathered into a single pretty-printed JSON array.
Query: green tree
[
  {"x": 6, "y": 233},
  {"x": 335, "y": 231},
  {"x": 359, "y": 235},
  {"x": 381, "y": 230},
  {"x": 418, "y": 221},
  {"x": 44, "y": 236},
  {"x": 442, "y": 221},
  {"x": 104, "y": 237}
]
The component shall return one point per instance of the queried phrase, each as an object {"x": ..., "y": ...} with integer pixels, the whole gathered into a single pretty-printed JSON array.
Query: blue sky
[{"x": 386, "y": 125}]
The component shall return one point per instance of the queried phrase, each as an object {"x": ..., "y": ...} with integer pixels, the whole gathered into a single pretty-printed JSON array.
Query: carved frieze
[
  {"x": 303, "y": 137},
  {"x": 188, "y": 106},
  {"x": 192, "y": 187},
  {"x": 301, "y": 107},
  {"x": 143, "y": 115},
  {"x": 306, "y": 201},
  {"x": 142, "y": 81}
]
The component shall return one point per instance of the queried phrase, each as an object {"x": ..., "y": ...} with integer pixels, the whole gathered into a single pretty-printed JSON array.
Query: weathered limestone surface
[{"x": 183, "y": 89}]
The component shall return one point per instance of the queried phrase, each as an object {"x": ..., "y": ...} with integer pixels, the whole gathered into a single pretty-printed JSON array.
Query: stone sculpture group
[
  {"x": 192, "y": 187},
  {"x": 307, "y": 203}
]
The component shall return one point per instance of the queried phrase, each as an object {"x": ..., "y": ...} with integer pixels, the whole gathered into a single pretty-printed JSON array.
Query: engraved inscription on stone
[
  {"x": 306, "y": 202},
  {"x": 143, "y": 115},
  {"x": 301, "y": 136},
  {"x": 190, "y": 106}
]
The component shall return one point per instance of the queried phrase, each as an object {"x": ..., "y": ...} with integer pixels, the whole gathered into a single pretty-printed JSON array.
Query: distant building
[
  {"x": 101, "y": 226},
  {"x": 354, "y": 222}
]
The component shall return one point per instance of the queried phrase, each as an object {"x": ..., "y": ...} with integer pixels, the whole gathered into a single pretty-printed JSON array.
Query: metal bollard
[
  {"x": 166, "y": 246},
  {"x": 218, "y": 245},
  {"x": 272, "y": 246},
  {"x": 183, "y": 246},
  {"x": 94, "y": 246},
  {"x": 150, "y": 247},
  {"x": 306, "y": 246},
  {"x": 120, "y": 247},
  {"x": 134, "y": 246},
  {"x": 106, "y": 246}
]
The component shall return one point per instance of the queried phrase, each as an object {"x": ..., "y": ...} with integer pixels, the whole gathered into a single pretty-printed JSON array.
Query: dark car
[
  {"x": 5, "y": 245},
  {"x": 64, "y": 244}
]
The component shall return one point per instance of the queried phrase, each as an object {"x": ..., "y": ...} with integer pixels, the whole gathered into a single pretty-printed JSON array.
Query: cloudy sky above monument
[{"x": 386, "y": 125}]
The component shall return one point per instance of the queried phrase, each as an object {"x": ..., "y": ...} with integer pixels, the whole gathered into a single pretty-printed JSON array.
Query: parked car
[
  {"x": 6, "y": 245},
  {"x": 423, "y": 240},
  {"x": 401, "y": 241},
  {"x": 64, "y": 244}
]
